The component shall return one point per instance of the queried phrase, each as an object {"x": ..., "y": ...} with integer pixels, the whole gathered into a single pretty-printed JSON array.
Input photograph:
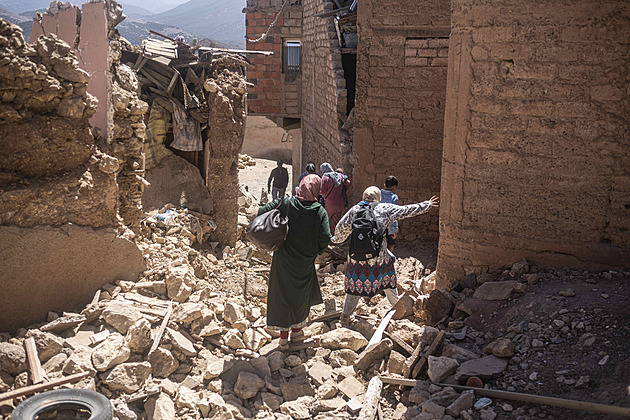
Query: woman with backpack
[
  {"x": 370, "y": 267},
  {"x": 293, "y": 286},
  {"x": 333, "y": 185}
]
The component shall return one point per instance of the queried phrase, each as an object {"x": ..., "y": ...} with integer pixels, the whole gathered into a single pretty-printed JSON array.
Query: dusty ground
[{"x": 255, "y": 176}]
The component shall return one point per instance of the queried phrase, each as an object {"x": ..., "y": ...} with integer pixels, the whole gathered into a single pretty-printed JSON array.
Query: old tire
[{"x": 97, "y": 404}]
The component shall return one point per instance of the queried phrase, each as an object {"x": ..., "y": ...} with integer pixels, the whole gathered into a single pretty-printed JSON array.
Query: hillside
[
  {"x": 222, "y": 20},
  {"x": 132, "y": 7}
]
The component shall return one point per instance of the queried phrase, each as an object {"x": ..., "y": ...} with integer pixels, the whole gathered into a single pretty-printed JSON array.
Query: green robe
[{"x": 293, "y": 284}]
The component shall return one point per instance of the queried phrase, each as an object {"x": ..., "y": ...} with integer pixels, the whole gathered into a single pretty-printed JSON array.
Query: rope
[{"x": 263, "y": 36}]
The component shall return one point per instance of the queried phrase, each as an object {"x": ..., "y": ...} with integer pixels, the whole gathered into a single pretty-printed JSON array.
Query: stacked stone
[
  {"x": 128, "y": 133},
  {"x": 45, "y": 137}
]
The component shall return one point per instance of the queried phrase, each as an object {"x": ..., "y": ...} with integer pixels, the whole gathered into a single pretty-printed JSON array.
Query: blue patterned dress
[{"x": 367, "y": 278}]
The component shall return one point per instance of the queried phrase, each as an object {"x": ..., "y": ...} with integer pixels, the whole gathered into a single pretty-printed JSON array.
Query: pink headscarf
[{"x": 309, "y": 188}]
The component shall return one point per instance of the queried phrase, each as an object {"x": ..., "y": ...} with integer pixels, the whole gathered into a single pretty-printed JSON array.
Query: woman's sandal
[
  {"x": 297, "y": 337},
  {"x": 284, "y": 344}
]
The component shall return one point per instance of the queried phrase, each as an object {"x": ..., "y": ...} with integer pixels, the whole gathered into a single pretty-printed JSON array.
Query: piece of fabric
[
  {"x": 293, "y": 285},
  {"x": 388, "y": 196},
  {"x": 351, "y": 301},
  {"x": 327, "y": 169},
  {"x": 372, "y": 194},
  {"x": 280, "y": 177},
  {"x": 309, "y": 188},
  {"x": 277, "y": 192},
  {"x": 335, "y": 204},
  {"x": 186, "y": 132},
  {"x": 385, "y": 215}
]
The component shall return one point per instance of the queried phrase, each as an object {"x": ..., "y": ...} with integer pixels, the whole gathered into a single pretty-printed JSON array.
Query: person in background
[
  {"x": 280, "y": 177},
  {"x": 388, "y": 196},
  {"x": 344, "y": 191},
  {"x": 293, "y": 284},
  {"x": 333, "y": 184},
  {"x": 310, "y": 169},
  {"x": 367, "y": 278}
]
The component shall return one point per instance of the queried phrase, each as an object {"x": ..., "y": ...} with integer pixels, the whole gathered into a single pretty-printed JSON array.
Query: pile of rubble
[
  {"x": 245, "y": 160},
  {"x": 189, "y": 340}
]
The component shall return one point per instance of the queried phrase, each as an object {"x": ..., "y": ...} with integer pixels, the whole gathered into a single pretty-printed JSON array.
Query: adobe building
[
  {"x": 536, "y": 137},
  {"x": 516, "y": 116}
]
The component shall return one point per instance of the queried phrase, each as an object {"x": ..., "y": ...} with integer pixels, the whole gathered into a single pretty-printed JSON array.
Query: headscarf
[
  {"x": 328, "y": 170},
  {"x": 309, "y": 188},
  {"x": 372, "y": 194}
]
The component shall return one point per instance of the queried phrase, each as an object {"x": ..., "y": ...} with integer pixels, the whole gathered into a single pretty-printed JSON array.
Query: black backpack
[{"x": 366, "y": 238}]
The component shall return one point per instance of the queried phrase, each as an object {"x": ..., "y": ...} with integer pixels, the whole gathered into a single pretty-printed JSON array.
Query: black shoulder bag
[{"x": 269, "y": 230}]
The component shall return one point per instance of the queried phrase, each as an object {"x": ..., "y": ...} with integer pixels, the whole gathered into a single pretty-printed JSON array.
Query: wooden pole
[
  {"x": 378, "y": 334},
  {"x": 371, "y": 400},
  {"x": 43, "y": 387},
  {"x": 160, "y": 333},
  {"x": 432, "y": 348},
  {"x": 37, "y": 374},
  {"x": 529, "y": 398}
]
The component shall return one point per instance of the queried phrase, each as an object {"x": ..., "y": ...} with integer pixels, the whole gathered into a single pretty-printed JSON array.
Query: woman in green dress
[{"x": 293, "y": 284}]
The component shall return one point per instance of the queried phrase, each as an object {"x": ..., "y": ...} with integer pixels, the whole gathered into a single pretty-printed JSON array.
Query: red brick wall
[
  {"x": 536, "y": 161},
  {"x": 401, "y": 91},
  {"x": 273, "y": 93}
]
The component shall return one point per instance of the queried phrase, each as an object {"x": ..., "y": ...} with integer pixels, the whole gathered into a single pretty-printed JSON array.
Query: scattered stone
[
  {"x": 487, "y": 414},
  {"x": 326, "y": 391},
  {"x": 354, "y": 406},
  {"x": 519, "y": 268},
  {"x": 297, "y": 409},
  {"x": 373, "y": 353},
  {"x": 186, "y": 313},
  {"x": 440, "y": 368},
  {"x": 343, "y": 338},
  {"x": 432, "y": 408},
  {"x": 434, "y": 306},
  {"x": 47, "y": 344},
  {"x": 482, "y": 403},
  {"x": 320, "y": 373},
  {"x": 6, "y": 381},
  {"x": 485, "y": 368},
  {"x": 233, "y": 340},
  {"x": 181, "y": 343},
  {"x": 329, "y": 404},
  {"x": 292, "y": 360},
  {"x": 536, "y": 343},
  {"x": 233, "y": 312},
  {"x": 56, "y": 363},
  {"x": 276, "y": 360},
  {"x": 567, "y": 293},
  {"x": 396, "y": 363},
  {"x": 12, "y": 359},
  {"x": 248, "y": 385},
  {"x": 404, "y": 307},
  {"x": 351, "y": 387},
  {"x": 498, "y": 290},
  {"x": 138, "y": 336},
  {"x": 292, "y": 391},
  {"x": 501, "y": 347},
  {"x": 216, "y": 368},
  {"x": 271, "y": 401},
  {"x": 110, "y": 352},
  {"x": 79, "y": 361},
  {"x": 63, "y": 323},
  {"x": 463, "y": 403},
  {"x": 163, "y": 363},
  {"x": 603, "y": 360},
  {"x": 458, "y": 353},
  {"x": 583, "y": 382},
  {"x": 127, "y": 377},
  {"x": 121, "y": 316},
  {"x": 179, "y": 281}
]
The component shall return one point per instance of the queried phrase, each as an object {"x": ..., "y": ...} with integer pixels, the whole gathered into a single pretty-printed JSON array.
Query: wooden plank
[
  {"x": 333, "y": 12},
  {"x": 230, "y": 50},
  {"x": 37, "y": 373},
  {"x": 371, "y": 399},
  {"x": 171, "y": 85},
  {"x": 156, "y": 82},
  {"x": 98, "y": 337},
  {"x": 146, "y": 300},
  {"x": 378, "y": 334},
  {"x": 411, "y": 362},
  {"x": 27, "y": 390},
  {"x": 158, "y": 76},
  {"x": 160, "y": 333},
  {"x": 96, "y": 297},
  {"x": 528, "y": 398},
  {"x": 401, "y": 343},
  {"x": 432, "y": 348},
  {"x": 327, "y": 317}
]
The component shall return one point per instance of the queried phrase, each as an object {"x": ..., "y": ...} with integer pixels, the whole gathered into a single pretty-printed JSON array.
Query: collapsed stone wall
[
  {"x": 58, "y": 191},
  {"x": 323, "y": 88},
  {"x": 401, "y": 89},
  {"x": 226, "y": 106},
  {"x": 536, "y": 136}
]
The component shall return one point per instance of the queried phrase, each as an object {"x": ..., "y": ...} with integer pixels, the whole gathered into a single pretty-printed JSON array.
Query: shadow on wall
[{"x": 265, "y": 140}]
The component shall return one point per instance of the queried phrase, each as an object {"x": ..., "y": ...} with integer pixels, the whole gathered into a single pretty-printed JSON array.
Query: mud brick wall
[
  {"x": 323, "y": 87},
  {"x": 401, "y": 91},
  {"x": 536, "y": 160},
  {"x": 274, "y": 93}
]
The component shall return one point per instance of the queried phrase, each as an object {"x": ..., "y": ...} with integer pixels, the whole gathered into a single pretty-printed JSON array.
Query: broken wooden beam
[
  {"x": 378, "y": 334},
  {"x": 160, "y": 333},
  {"x": 528, "y": 398},
  {"x": 37, "y": 373},
  {"x": 27, "y": 390},
  {"x": 430, "y": 351},
  {"x": 371, "y": 400},
  {"x": 327, "y": 317},
  {"x": 400, "y": 342},
  {"x": 411, "y": 362}
]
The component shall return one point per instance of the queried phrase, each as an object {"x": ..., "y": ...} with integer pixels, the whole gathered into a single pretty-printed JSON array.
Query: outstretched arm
[{"x": 393, "y": 212}]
